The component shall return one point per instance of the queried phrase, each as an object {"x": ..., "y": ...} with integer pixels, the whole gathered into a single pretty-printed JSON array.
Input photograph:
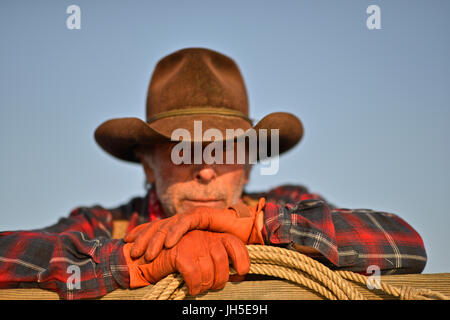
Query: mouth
[{"x": 204, "y": 202}]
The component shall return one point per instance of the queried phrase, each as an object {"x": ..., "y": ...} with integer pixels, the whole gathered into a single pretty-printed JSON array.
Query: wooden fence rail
[{"x": 258, "y": 290}]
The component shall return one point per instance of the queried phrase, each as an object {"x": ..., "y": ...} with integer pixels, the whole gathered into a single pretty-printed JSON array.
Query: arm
[
  {"x": 345, "y": 239},
  {"x": 50, "y": 258}
]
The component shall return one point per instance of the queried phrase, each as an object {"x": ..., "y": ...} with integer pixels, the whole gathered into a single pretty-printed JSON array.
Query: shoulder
[
  {"x": 283, "y": 194},
  {"x": 126, "y": 210}
]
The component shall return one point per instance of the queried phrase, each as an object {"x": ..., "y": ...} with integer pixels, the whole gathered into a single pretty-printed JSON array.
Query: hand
[
  {"x": 201, "y": 257},
  {"x": 240, "y": 220}
]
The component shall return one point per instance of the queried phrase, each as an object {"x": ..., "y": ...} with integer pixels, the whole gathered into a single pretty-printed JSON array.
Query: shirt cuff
[
  {"x": 117, "y": 265},
  {"x": 308, "y": 223}
]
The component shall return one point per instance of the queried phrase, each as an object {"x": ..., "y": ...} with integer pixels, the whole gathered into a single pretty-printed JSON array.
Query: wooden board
[{"x": 258, "y": 290}]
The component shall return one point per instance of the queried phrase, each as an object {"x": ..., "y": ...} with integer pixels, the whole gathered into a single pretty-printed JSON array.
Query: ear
[
  {"x": 148, "y": 172},
  {"x": 248, "y": 168},
  {"x": 147, "y": 169}
]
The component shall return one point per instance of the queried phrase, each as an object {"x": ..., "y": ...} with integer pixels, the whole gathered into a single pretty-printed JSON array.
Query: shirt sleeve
[
  {"x": 76, "y": 257},
  {"x": 346, "y": 239}
]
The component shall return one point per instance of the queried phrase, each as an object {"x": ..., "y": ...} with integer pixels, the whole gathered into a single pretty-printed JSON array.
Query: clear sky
[{"x": 375, "y": 103}]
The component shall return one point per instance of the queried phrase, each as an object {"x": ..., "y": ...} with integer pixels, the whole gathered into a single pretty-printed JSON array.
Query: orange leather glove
[
  {"x": 245, "y": 222},
  {"x": 201, "y": 257}
]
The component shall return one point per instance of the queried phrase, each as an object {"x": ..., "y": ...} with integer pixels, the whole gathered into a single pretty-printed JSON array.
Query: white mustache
[{"x": 205, "y": 195}]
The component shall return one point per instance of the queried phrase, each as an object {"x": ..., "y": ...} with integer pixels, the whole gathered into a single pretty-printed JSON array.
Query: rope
[
  {"x": 302, "y": 270},
  {"x": 164, "y": 289},
  {"x": 403, "y": 292}
]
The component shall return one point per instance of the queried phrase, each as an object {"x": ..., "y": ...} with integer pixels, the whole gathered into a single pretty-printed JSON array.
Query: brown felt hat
[{"x": 187, "y": 85}]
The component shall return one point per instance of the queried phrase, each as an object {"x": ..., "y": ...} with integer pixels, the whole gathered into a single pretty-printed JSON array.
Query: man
[{"x": 196, "y": 219}]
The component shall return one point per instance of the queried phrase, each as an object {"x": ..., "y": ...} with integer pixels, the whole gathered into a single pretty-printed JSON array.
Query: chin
[{"x": 187, "y": 204}]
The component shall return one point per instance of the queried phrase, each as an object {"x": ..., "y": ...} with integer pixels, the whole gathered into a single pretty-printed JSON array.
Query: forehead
[
  {"x": 169, "y": 145},
  {"x": 223, "y": 153}
]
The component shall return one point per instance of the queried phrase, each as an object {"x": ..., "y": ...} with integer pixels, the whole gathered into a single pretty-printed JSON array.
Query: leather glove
[
  {"x": 201, "y": 257},
  {"x": 245, "y": 222}
]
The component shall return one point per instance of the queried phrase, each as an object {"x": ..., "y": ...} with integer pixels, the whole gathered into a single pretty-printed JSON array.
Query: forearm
[
  {"x": 75, "y": 257},
  {"x": 346, "y": 239},
  {"x": 68, "y": 263}
]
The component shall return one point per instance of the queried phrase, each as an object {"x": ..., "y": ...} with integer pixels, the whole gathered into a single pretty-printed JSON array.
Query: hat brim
[{"x": 121, "y": 136}]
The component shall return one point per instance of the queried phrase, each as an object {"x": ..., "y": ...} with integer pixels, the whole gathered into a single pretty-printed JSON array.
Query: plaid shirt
[{"x": 81, "y": 247}]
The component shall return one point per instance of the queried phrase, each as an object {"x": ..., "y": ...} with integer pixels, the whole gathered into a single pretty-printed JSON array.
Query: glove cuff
[
  {"x": 257, "y": 215},
  {"x": 242, "y": 210},
  {"x": 256, "y": 236},
  {"x": 136, "y": 277}
]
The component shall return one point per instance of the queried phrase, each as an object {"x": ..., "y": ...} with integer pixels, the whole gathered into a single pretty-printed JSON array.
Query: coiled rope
[{"x": 302, "y": 270}]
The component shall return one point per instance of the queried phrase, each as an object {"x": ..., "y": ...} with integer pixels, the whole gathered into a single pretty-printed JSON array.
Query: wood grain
[{"x": 258, "y": 290}]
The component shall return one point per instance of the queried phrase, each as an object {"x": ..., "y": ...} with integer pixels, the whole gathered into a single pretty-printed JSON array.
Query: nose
[{"x": 205, "y": 174}]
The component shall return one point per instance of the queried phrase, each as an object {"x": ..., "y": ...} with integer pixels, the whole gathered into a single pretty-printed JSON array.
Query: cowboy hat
[{"x": 193, "y": 84}]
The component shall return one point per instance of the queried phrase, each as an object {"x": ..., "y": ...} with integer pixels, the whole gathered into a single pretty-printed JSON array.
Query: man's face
[{"x": 181, "y": 187}]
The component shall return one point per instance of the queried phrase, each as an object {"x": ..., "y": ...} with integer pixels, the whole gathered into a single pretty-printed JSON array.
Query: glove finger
[
  {"x": 221, "y": 266},
  {"x": 206, "y": 267},
  {"x": 237, "y": 252},
  {"x": 142, "y": 240},
  {"x": 158, "y": 268},
  {"x": 156, "y": 242},
  {"x": 131, "y": 236},
  {"x": 185, "y": 223},
  {"x": 191, "y": 275}
]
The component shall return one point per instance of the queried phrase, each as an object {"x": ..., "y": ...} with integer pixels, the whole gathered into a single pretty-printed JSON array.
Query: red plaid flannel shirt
[{"x": 346, "y": 239}]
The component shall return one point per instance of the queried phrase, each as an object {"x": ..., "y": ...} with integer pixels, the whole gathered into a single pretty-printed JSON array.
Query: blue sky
[{"x": 374, "y": 103}]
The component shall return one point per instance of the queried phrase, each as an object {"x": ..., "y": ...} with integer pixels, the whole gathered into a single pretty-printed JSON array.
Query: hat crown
[
  {"x": 190, "y": 85},
  {"x": 196, "y": 77}
]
